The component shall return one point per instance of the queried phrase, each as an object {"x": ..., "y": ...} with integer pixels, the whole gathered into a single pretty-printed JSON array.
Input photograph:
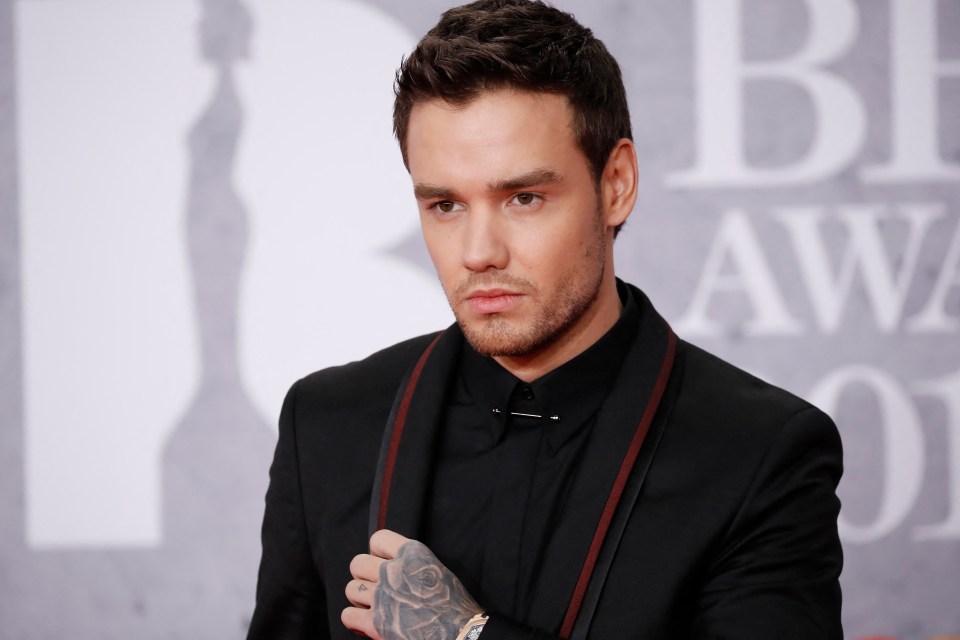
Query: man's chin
[{"x": 496, "y": 338}]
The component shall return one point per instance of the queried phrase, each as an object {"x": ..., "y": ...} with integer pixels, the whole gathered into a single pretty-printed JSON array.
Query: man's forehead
[
  {"x": 510, "y": 122},
  {"x": 500, "y": 138}
]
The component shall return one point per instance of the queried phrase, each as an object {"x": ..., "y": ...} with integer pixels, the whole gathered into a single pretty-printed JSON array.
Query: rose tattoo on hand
[
  {"x": 401, "y": 591},
  {"x": 420, "y": 599}
]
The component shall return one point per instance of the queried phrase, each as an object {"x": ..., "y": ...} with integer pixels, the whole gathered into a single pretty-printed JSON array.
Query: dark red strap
[
  {"x": 618, "y": 486},
  {"x": 397, "y": 433}
]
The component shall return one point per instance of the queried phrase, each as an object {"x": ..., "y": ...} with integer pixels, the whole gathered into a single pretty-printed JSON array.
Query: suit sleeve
[
  {"x": 290, "y": 597},
  {"x": 776, "y": 574},
  {"x": 502, "y": 628}
]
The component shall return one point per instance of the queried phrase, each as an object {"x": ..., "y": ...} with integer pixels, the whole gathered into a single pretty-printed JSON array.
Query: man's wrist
[{"x": 472, "y": 627}]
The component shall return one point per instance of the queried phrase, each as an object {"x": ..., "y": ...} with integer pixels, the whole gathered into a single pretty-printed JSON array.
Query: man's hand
[{"x": 400, "y": 591}]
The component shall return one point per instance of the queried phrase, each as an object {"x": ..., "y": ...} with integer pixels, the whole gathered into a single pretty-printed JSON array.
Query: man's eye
[
  {"x": 525, "y": 199},
  {"x": 446, "y": 206}
]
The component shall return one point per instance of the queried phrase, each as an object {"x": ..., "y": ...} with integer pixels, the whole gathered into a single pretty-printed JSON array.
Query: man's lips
[{"x": 484, "y": 301}]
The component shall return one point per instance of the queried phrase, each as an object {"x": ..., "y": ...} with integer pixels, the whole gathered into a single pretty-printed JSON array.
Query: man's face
[{"x": 510, "y": 215}]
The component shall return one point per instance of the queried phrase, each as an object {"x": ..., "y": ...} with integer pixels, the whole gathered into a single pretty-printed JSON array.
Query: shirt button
[{"x": 527, "y": 393}]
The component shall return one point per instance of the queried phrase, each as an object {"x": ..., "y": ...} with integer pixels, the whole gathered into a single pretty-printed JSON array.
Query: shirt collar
[{"x": 573, "y": 391}]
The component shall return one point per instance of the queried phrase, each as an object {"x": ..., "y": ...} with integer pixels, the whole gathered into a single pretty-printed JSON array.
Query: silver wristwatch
[{"x": 471, "y": 630}]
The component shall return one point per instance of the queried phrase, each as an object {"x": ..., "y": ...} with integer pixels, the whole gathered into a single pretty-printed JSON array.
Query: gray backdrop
[{"x": 200, "y": 202}]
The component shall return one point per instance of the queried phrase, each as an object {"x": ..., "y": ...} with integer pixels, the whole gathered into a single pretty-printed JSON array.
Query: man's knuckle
[
  {"x": 415, "y": 547},
  {"x": 356, "y": 564}
]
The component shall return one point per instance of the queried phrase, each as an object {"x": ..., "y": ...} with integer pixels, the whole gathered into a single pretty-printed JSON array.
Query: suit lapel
[
  {"x": 402, "y": 484},
  {"x": 615, "y": 428},
  {"x": 631, "y": 495}
]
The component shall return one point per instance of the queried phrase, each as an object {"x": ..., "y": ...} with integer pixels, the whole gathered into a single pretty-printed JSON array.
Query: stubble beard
[{"x": 559, "y": 311}]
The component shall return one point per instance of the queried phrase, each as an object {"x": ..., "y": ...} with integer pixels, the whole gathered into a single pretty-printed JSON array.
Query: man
[{"x": 557, "y": 463}]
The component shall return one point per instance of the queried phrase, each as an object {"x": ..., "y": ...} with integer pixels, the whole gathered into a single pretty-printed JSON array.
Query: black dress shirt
[{"x": 500, "y": 480}]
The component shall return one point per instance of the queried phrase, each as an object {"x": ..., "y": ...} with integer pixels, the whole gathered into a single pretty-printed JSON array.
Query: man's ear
[{"x": 618, "y": 184}]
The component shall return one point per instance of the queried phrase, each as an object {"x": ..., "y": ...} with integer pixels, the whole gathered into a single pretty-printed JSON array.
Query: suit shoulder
[
  {"x": 724, "y": 385},
  {"x": 376, "y": 376},
  {"x": 736, "y": 406}
]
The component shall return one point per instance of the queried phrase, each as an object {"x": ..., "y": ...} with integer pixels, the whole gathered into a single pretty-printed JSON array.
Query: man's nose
[{"x": 484, "y": 242}]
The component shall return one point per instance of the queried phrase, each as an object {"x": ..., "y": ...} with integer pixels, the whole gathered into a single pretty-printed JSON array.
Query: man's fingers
[
  {"x": 386, "y": 543},
  {"x": 360, "y": 593},
  {"x": 366, "y": 567},
  {"x": 360, "y": 621}
]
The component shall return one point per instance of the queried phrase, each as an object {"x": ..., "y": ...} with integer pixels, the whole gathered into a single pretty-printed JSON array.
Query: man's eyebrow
[
  {"x": 529, "y": 179},
  {"x": 423, "y": 191},
  {"x": 427, "y": 191}
]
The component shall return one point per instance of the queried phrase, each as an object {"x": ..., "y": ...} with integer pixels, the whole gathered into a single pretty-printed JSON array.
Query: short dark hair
[{"x": 522, "y": 44}]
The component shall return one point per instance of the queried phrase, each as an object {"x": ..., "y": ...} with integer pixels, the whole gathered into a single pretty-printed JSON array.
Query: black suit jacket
[{"x": 726, "y": 529}]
